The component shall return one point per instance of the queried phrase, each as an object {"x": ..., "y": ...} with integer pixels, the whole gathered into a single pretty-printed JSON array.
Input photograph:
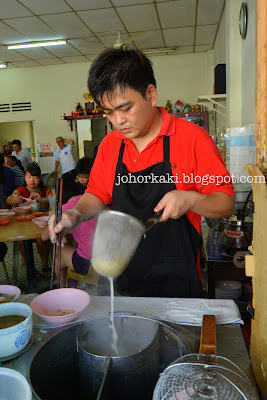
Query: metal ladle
[{"x": 116, "y": 239}]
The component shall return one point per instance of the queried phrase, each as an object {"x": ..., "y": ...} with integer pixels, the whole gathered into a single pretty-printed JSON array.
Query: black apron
[{"x": 164, "y": 264}]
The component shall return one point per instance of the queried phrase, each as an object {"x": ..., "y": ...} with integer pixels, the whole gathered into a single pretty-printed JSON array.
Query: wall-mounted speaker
[{"x": 220, "y": 78}]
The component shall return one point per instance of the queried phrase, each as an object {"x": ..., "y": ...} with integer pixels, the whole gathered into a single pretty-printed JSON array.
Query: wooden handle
[{"x": 208, "y": 335}]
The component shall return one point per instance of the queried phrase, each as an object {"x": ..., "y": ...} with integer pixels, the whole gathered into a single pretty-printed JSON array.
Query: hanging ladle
[{"x": 116, "y": 239}]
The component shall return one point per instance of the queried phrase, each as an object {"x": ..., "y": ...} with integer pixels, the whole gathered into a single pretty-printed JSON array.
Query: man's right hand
[{"x": 70, "y": 220}]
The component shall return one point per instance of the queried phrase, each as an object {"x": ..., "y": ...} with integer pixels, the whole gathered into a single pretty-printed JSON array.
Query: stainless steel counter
[{"x": 230, "y": 343}]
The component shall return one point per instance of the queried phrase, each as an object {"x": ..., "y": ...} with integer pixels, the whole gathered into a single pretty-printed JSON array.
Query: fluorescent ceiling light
[
  {"x": 36, "y": 44},
  {"x": 3, "y": 65},
  {"x": 159, "y": 50}
]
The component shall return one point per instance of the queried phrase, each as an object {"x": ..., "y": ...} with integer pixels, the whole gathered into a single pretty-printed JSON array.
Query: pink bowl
[
  {"x": 21, "y": 210},
  {"x": 6, "y": 216},
  {"x": 41, "y": 221},
  {"x": 11, "y": 290},
  {"x": 55, "y": 305}
]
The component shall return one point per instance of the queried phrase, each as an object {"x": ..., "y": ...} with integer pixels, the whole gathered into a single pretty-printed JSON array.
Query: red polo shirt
[{"x": 196, "y": 162}]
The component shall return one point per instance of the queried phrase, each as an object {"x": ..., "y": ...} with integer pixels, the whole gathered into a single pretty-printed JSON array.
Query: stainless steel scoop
[{"x": 116, "y": 239}]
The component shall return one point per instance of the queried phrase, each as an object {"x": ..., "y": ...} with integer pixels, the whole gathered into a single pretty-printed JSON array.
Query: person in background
[
  {"x": 65, "y": 158},
  {"x": 16, "y": 167},
  {"x": 21, "y": 154},
  {"x": 76, "y": 257},
  {"x": 33, "y": 188},
  {"x": 9, "y": 182},
  {"x": 82, "y": 172},
  {"x": 2, "y": 179},
  {"x": 151, "y": 162},
  {"x": 3, "y": 251}
]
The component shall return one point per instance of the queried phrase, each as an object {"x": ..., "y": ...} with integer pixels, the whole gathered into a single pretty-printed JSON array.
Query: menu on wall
[{"x": 45, "y": 150}]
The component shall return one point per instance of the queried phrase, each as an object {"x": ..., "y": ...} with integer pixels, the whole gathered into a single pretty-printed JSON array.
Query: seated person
[
  {"x": 3, "y": 251},
  {"x": 15, "y": 165},
  {"x": 82, "y": 172},
  {"x": 7, "y": 182},
  {"x": 77, "y": 259},
  {"x": 33, "y": 188}
]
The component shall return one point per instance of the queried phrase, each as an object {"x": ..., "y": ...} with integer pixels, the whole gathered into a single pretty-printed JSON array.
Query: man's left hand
[{"x": 175, "y": 203}]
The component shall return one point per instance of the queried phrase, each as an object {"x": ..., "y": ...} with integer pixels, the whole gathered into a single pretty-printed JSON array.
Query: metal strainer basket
[{"x": 203, "y": 377}]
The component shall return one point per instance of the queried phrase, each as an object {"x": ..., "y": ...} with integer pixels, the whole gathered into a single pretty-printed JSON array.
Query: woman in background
[
  {"x": 15, "y": 165},
  {"x": 33, "y": 188}
]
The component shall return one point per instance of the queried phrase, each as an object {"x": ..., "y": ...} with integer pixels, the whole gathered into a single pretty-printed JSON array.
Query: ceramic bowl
[
  {"x": 41, "y": 221},
  {"x": 60, "y": 306},
  {"x": 15, "y": 338},
  {"x": 10, "y": 290},
  {"x": 6, "y": 216},
  {"x": 35, "y": 206},
  {"x": 21, "y": 210},
  {"x": 14, "y": 386}
]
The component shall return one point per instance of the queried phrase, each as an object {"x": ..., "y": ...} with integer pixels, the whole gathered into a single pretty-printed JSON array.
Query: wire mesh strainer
[
  {"x": 200, "y": 376},
  {"x": 204, "y": 376}
]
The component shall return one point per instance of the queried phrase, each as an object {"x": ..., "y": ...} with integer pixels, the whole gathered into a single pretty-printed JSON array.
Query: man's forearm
[
  {"x": 89, "y": 206},
  {"x": 214, "y": 205},
  {"x": 56, "y": 165},
  {"x": 68, "y": 141}
]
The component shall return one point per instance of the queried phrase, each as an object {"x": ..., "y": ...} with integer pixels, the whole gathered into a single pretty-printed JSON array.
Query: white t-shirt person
[
  {"x": 22, "y": 155},
  {"x": 64, "y": 155}
]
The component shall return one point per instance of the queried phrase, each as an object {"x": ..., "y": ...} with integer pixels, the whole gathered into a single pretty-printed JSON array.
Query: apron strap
[
  {"x": 121, "y": 152},
  {"x": 166, "y": 148}
]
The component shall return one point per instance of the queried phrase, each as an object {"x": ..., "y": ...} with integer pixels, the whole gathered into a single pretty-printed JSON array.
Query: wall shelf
[
  {"x": 218, "y": 99},
  {"x": 70, "y": 118}
]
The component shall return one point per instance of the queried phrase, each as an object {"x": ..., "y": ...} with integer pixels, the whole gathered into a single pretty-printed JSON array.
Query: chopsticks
[{"x": 57, "y": 246}]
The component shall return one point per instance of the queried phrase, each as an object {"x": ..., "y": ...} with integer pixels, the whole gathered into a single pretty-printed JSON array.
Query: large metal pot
[{"x": 134, "y": 372}]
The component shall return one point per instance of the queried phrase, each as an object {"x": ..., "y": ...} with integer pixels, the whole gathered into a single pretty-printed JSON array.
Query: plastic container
[
  {"x": 52, "y": 202},
  {"x": 13, "y": 385}
]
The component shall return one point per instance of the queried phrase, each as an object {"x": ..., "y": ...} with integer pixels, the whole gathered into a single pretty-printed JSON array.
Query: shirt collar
[{"x": 167, "y": 127}]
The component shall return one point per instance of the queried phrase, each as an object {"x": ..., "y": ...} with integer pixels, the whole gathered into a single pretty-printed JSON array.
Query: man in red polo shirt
[{"x": 152, "y": 161}]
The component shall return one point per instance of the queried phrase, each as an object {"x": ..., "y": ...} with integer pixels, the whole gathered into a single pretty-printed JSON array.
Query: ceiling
[{"x": 90, "y": 26}]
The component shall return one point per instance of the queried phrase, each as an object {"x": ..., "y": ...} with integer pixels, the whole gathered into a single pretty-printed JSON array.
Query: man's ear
[{"x": 152, "y": 95}]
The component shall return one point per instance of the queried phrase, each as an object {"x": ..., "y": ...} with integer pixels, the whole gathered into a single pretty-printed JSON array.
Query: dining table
[{"x": 25, "y": 230}]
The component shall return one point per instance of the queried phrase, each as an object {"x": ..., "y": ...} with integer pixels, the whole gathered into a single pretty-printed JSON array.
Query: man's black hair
[
  {"x": 84, "y": 166},
  {"x": 113, "y": 69},
  {"x": 16, "y": 141}
]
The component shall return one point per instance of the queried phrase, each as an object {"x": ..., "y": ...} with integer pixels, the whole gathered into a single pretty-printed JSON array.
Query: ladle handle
[
  {"x": 208, "y": 335},
  {"x": 153, "y": 220}
]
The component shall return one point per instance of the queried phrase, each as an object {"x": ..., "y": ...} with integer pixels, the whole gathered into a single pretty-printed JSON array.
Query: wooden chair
[
  {"x": 5, "y": 270},
  {"x": 91, "y": 277}
]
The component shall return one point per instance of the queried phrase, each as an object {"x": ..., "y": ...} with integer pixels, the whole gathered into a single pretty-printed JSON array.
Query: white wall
[
  {"x": 54, "y": 90},
  {"x": 16, "y": 130},
  {"x": 248, "y": 68}
]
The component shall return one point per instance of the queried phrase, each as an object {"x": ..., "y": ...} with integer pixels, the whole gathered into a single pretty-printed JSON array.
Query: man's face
[
  {"x": 16, "y": 148},
  {"x": 130, "y": 112},
  {"x": 60, "y": 142}
]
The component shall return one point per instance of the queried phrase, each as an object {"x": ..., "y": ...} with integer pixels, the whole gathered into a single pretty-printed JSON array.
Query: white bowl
[
  {"x": 13, "y": 385},
  {"x": 228, "y": 285},
  {"x": 41, "y": 221},
  {"x": 35, "y": 206},
  {"x": 15, "y": 338},
  {"x": 10, "y": 290},
  {"x": 21, "y": 210},
  {"x": 51, "y": 305}
]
